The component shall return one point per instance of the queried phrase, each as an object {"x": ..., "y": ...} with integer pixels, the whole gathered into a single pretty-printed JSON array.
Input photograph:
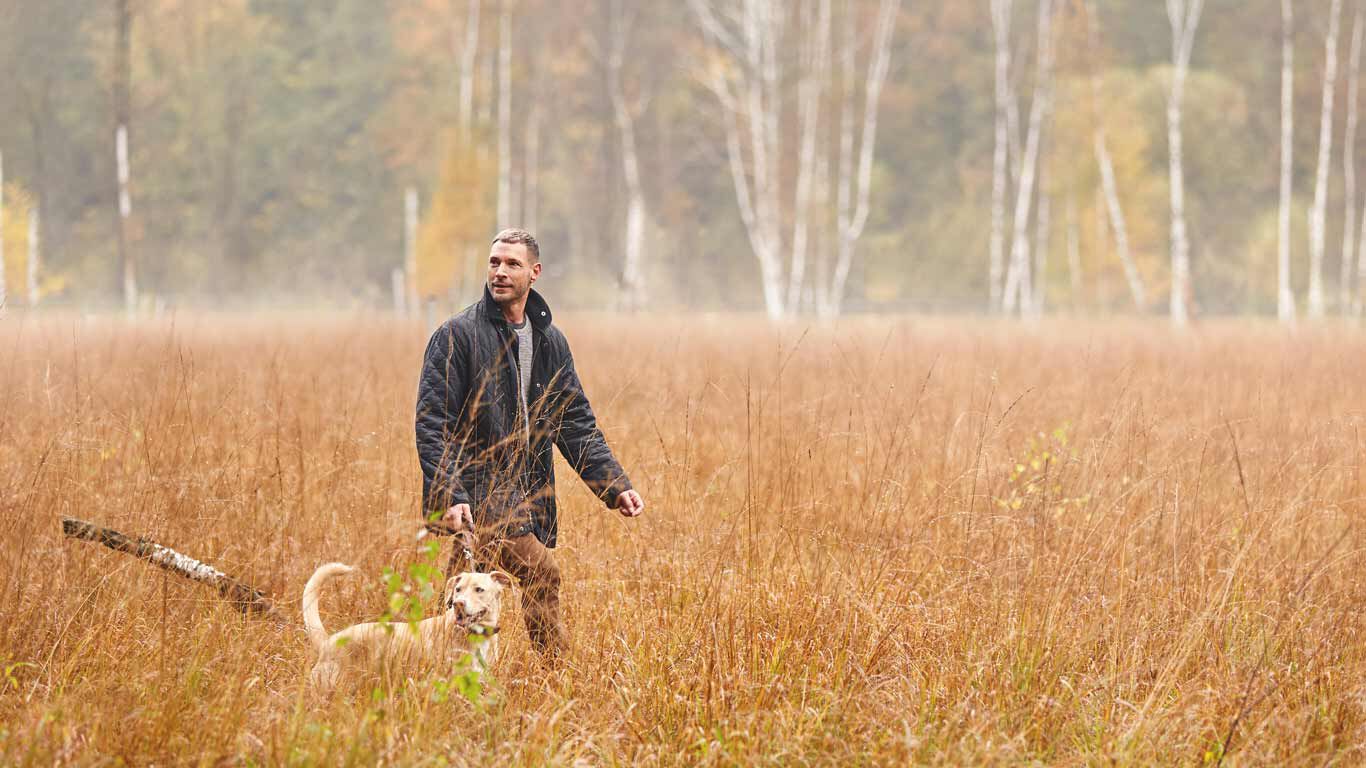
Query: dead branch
[{"x": 244, "y": 597}]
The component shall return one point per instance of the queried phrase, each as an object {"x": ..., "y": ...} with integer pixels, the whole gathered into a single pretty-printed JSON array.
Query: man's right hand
[{"x": 456, "y": 519}]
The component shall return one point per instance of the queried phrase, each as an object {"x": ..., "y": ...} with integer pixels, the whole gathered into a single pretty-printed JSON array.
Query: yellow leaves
[
  {"x": 1035, "y": 475},
  {"x": 451, "y": 240},
  {"x": 18, "y": 203}
]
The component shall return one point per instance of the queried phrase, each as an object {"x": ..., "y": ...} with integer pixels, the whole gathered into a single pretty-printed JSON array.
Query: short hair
[{"x": 520, "y": 237}]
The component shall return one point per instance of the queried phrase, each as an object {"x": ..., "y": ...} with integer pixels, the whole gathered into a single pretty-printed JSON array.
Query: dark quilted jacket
[{"x": 472, "y": 440}]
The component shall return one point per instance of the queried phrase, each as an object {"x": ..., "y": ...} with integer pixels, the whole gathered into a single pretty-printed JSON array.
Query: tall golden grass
[{"x": 885, "y": 542}]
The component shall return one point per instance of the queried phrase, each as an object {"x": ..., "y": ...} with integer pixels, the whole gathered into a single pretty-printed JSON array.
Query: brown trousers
[{"x": 533, "y": 565}]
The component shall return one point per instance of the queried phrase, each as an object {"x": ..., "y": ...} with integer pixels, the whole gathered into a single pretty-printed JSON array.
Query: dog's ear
[
  {"x": 448, "y": 591},
  {"x": 501, "y": 578}
]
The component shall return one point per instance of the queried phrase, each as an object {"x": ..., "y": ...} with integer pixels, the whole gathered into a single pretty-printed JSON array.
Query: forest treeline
[{"x": 796, "y": 156}]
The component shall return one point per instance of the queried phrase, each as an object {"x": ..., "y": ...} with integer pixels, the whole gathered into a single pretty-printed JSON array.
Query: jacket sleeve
[
  {"x": 582, "y": 443},
  {"x": 440, "y": 397}
]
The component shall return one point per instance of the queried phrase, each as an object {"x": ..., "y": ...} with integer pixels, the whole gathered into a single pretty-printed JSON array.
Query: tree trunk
[
  {"x": 410, "y": 223},
  {"x": 1043, "y": 234},
  {"x": 1318, "y": 213},
  {"x": 1018, "y": 286},
  {"x": 751, "y": 34},
  {"x": 1000, "y": 24},
  {"x": 122, "y": 113},
  {"x": 1285, "y": 295},
  {"x": 243, "y": 597},
  {"x": 1137, "y": 291},
  {"x": 1184, "y": 17},
  {"x": 632, "y": 270},
  {"x": 1110, "y": 189},
  {"x": 34, "y": 255},
  {"x": 749, "y": 91},
  {"x": 816, "y": 70},
  {"x": 1349, "y": 170},
  {"x": 852, "y": 222}
]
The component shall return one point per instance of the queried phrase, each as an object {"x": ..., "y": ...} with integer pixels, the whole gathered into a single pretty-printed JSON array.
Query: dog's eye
[{"x": 479, "y": 589}]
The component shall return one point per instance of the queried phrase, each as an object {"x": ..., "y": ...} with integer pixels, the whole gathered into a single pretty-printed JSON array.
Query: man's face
[{"x": 511, "y": 272}]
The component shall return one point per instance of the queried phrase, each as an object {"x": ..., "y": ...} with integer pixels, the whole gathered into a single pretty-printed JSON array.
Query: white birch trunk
[
  {"x": 1137, "y": 290},
  {"x": 1110, "y": 189},
  {"x": 1043, "y": 235},
  {"x": 505, "y": 116},
  {"x": 751, "y": 33},
  {"x": 1184, "y": 17},
  {"x": 1318, "y": 214},
  {"x": 852, "y": 223},
  {"x": 815, "y": 72},
  {"x": 1359, "y": 288},
  {"x": 750, "y": 108},
  {"x": 34, "y": 256},
  {"x": 1349, "y": 170},
  {"x": 1285, "y": 295},
  {"x": 130, "y": 275},
  {"x": 396, "y": 285},
  {"x": 1000, "y": 24},
  {"x": 468, "y": 53},
  {"x": 632, "y": 272},
  {"x": 1017, "y": 289},
  {"x": 410, "y": 250}
]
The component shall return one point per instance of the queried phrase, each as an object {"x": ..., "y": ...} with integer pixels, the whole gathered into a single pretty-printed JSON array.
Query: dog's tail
[{"x": 312, "y": 621}]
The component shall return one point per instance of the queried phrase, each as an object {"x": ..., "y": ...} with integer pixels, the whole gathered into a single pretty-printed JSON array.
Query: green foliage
[{"x": 411, "y": 592}]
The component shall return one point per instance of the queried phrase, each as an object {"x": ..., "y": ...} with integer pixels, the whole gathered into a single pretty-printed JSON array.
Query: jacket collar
[{"x": 536, "y": 309}]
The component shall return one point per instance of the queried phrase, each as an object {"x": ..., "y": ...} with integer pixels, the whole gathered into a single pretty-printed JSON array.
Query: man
[{"x": 498, "y": 390}]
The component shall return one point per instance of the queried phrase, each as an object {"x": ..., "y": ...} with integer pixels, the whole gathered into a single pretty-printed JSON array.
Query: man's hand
[
  {"x": 456, "y": 519},
  {"x": 629, "y": 504}
]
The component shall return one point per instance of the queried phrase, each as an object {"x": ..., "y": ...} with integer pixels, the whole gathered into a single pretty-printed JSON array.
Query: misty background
[{"x": 794, "y": 157}]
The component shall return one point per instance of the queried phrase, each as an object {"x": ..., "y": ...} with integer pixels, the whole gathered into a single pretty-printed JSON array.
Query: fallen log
[{"x": 244, "y": 597}]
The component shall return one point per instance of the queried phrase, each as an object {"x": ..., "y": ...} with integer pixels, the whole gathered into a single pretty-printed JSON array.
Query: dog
[{"x": 471, "y": 603}]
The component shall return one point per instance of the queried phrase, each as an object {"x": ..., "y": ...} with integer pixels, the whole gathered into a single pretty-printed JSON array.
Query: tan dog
[{"x": 471, "y": 605}]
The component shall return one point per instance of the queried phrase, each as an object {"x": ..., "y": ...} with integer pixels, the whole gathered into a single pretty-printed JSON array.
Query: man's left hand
[{"x": 629, "y": 504}]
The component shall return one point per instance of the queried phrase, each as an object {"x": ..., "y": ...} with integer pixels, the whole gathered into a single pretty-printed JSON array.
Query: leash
[{"x": 462, "y": 555}]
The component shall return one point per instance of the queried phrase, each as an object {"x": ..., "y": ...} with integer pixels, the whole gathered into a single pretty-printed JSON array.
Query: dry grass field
[{"x": 890, "y": 542}]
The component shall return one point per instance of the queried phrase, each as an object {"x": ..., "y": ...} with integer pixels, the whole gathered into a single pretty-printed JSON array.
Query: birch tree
[
  {"x": 632, "y": 270},
  {"x": 1318, "y": 213},
  {"x": 1043, "y": 236},
  {"x": 1184, "y": 17},
  {"x": 1349, "y": 170},
  {"x": 1000, "y": 25},
  {"x": 746, "y": 75},
  {"x": 746, "y": 83},
  {"x": 852, "y": 202},
  {"x": 122, "y": 111},
  {"x": 410, "y": 224},
  {"x": 1018, "y": 287},
  {"x": 1285, "y": 296},
  {"x": 1106, "y": 165},
  {"x": 34, "y": 264},
  {"x": 815, "y": 72}
]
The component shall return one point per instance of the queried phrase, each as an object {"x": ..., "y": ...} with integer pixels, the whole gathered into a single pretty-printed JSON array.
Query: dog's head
[{"x": 476, "y": 598}]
